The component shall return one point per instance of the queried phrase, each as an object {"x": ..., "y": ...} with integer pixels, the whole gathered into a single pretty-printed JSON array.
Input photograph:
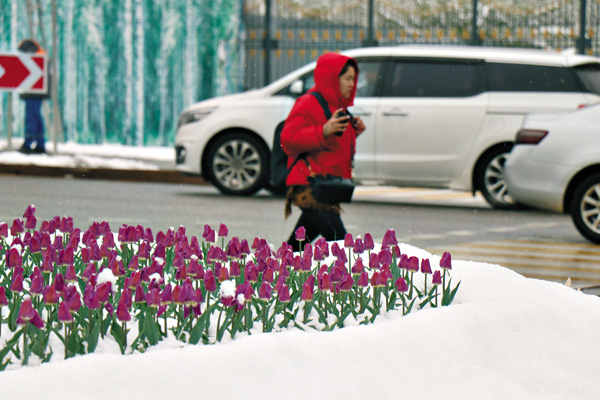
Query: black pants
[{"x": 316, "y": 222}]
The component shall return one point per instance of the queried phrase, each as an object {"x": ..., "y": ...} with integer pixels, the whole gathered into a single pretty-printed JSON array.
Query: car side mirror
[{"x": 297, "y": 88}]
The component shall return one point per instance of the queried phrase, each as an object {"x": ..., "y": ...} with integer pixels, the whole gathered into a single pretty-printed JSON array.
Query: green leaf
[
  {"x": 198, "y": 329},
  {"x": 10, "y": 347},
  {"x": 93, "y": 337},
  {"x": 117, "y": 332},
  {"x": 343, "y": 316},
  {"x": 151, "y": 330},
  {"x": 410, "y": 306},
  {"x": 225, "y": 324},
  {"x": 449, "y": 295}
]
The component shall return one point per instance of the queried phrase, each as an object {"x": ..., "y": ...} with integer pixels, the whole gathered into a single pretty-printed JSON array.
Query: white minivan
[{"x": 436, "y": 117}]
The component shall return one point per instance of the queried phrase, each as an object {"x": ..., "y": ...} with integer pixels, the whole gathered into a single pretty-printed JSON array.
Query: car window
[
  {"x": 435, "y": 79},
  {"x": 530, "y": 78},
  {"x": 590, "y": 75},
  {"x": 369, "y": 78}
]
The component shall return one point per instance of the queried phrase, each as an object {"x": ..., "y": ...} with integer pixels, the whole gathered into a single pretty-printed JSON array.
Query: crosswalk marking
[{"x": 536, "y": 259}]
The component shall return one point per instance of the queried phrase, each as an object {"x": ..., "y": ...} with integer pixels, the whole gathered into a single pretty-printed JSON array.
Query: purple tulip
[
  {"x": 359, "y": 246},
  {"x": 446, "y": 261},
  {"x": 210, "y": 282},
  {"x": 17, "y": 280},
  {"x": 90, "y": 298},
  {"x": 209, "y": 234},
  {"x": 325, "y": 283},
  {"x": 346, "y": 283},
  {"x": 363, "y": 280},
  {"x": 30, "y": 222},
  {"x": 37, "y": 282},
  {"x": 26, "y": 312},
  {"x": 3, "y": 230},
  {"x": 307, "y": 293},
  {"x": 72, "y": 297},
  {"x": 348, "y": 241},
  {"x": 437, "y": 278},
  {"x": 284, "y": 294},
  {"x": 66, "y": 225},
  {"x": 358, "y": 267},
  {"x": 50, "y": 295},
  {"x": 369, "y": 243},
  {"x": 401, "y": 285},
  {"x": 29, "y": 211},
  {"x": 425, "y": 266},
  {"x": 374, "y": 261},
  {"x": 3, "y": 299},
  {"x": 64, "y": 314},
  {"x": 153, "y": 298},
  {"x": 14, "y": 258},
  {"x": 389, "y": 239},
  {"x": 385, "y": 256},
  {"x": 223, "y": 231},
  {"x": 300, "y": 234},
  {"x": 413, "y": 264},
  {"x": 265, "y": 291},
  {"x": 251, "y": 272},
  {"x": 123, "y": 314}
]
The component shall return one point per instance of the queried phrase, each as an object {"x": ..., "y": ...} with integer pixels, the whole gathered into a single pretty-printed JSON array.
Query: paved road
[{"x": 533, "y": 243}]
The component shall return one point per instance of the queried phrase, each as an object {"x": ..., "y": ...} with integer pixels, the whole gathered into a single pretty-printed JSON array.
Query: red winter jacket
[{"x": 303, "y": 129}]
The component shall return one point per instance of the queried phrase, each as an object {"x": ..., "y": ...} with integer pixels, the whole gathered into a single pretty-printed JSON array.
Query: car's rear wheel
[
  {"x": 238, "y": 164},
  {"x": 585, "y": 208},
  {"x": 490, "y": 179}
]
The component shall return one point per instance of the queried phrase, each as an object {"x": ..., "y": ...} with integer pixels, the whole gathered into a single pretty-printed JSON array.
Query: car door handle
[
  {"x": 360, "y": 113},
  {"x": 395, "y": 113}
]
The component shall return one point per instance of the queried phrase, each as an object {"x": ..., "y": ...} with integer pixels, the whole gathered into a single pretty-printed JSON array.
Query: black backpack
[{"x": 279, "y": 169}]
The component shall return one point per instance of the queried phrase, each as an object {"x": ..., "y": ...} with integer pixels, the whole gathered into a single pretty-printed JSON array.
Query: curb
[{"x": 162, "y": 176}]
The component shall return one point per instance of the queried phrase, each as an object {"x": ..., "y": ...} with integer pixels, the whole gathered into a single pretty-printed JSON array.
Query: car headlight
[{"x": 194, "y": 116}]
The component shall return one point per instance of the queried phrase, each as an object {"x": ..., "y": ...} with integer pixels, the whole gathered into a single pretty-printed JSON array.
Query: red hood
[{"x": 327, "y": 73}]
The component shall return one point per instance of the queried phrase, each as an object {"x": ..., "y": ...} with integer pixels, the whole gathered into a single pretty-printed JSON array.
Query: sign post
[{"x": 22, "y": 73}]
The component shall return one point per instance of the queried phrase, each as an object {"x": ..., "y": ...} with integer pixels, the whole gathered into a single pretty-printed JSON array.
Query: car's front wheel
[
  {"x": 585, "y": 208},
  {"x": 237, "y": 164},
  {"x": 490, "y": 179}
]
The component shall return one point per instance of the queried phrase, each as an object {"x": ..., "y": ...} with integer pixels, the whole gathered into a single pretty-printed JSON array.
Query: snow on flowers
[{"x": 63, "y": 290}]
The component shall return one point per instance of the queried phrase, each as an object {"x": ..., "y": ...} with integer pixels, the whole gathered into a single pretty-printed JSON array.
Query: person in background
[
  {"x": 34, "y": 122},
  {"x": 318, "y": 146}
]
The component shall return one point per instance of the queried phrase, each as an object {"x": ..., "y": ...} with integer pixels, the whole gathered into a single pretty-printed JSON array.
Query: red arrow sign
[{"x": 23, "y": 72}]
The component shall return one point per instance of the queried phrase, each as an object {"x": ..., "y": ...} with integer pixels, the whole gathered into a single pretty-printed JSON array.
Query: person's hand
[
  {"x": 335, "y": 124},
  {"x": 359, "y": 125}
]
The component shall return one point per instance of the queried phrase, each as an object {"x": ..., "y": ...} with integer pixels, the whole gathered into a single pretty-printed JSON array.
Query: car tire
[
  {"x": 238, "y": 164},
  {"x": 585, "y": 208},
  {"x": 490, "y": 179}
]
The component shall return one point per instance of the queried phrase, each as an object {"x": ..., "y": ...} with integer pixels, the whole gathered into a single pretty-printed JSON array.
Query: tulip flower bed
[{"x": 64, "y": 289}]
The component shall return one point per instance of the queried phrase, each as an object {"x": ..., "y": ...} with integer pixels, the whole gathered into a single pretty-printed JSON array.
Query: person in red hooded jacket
[{"x": 315, "y": 146}]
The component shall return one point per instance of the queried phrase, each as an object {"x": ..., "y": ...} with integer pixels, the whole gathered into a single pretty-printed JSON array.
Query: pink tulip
[
  {"x": 14, "y": 258},
  {"x": 29, "y": 211},
  {"x": 153, "y": 298},
  {"x": 325, "y": 283},
  {"x": 413, "y": 264},
  {"x": 30, "y": 222},
  {"x": 369, "y": 244},
  {"x": 17, "y": 227},
  {"x": 358, "y": 267},
  {"x": 359, "y": 246}
]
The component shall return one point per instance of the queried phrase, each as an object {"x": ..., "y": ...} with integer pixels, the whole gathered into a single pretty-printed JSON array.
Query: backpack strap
[{"x": 323, "y": 104}]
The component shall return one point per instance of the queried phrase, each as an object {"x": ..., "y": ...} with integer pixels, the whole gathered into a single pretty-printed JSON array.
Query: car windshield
[{"x": 590, "y": 75}]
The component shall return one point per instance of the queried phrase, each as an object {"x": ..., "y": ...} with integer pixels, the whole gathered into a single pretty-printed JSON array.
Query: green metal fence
[{"x": 281, "y": 35}]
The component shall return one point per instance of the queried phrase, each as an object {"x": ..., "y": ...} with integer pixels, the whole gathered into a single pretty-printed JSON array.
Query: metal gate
[{"x": 282, "y": 35}]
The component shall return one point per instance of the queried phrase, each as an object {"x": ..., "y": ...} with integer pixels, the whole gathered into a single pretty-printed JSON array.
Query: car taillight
[{"x": 530, "y": 136}]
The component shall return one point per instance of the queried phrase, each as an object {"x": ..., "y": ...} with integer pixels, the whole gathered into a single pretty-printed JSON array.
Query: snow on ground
[
  {"x": 504, "y": 337},
  {"x": 70, "y": 154}
]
